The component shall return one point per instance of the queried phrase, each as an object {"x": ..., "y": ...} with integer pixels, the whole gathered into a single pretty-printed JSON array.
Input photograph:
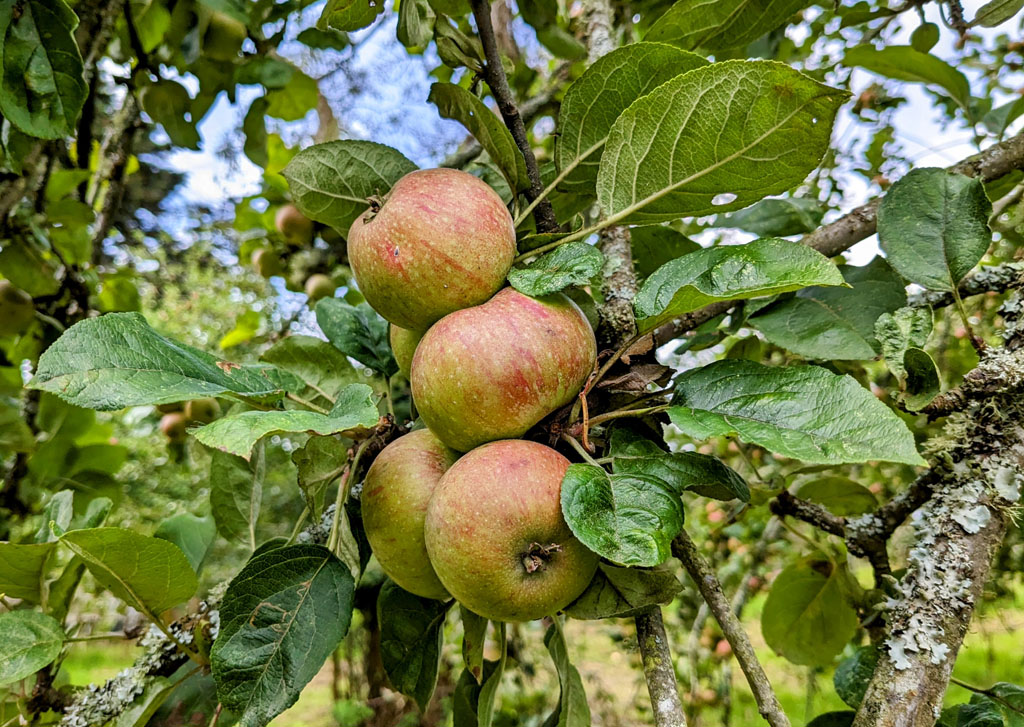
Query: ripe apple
[
  {"x": 267, "y": 262},
  {"x": 396, "y": 491},
  {"x": 496, "y": 536},
  {"x": 441, "y": 240},
  {"x": 403, "y": 345},
  {"x": 174, "y": 426},
  {"x": 493, "y": 371},
  {"x": 319, "y": 286},
  {"x": 294, "y": 226},
  {"x": 202, "y": 410},
  {"x": 16, "y": 309}
]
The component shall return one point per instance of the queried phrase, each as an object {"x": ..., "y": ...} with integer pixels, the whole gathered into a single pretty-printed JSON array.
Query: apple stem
[{"x": 538, "y": 555}]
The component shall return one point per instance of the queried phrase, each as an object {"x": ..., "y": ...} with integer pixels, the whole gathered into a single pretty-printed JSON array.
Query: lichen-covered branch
[
  {"x": 618, "y": 287},
  {"x": 494, "y": 74},
  {"x": 991, "y": 279},
  {"x": 710, "y": 589},
  {"x": 659, "y": 669}
]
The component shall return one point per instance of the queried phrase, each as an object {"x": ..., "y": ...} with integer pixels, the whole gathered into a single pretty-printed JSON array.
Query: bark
[
  {"x": 659, "y": 669},
  {"x": 618, "y": 286}
]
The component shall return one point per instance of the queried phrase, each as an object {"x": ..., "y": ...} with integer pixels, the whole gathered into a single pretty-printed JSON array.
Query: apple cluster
[{"x": 465, "y": 508}]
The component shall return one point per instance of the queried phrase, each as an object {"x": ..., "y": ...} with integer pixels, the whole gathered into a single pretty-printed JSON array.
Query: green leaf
[
  {"x": 594, "y": 101},
  {"x": 15, "y": 435},
  {"x": 835, "y": 323},
  {"x": 323, "y": 368},
  {"x": 839, "y": 495},
  {"x": 117, "y": 360},
  {"x": 42, "y": 89},
  {"x": 474, "y": 633},
  {"x": 455, "y": 48},
  {"x": 149, "y": 574},
  {"x": 998, "y": 120},
  {"x": 729, "y": 272},
  {"x": 236, "y": 494},
  {"x": 720, "y": 24},
  {"x": 295, "y": 100},
  {"x": 776, "y": 217},
  {"x": 238, "y": 433},
  {"x": 562, "y": 43},
  {"x": 318, "y": 463},
  {"x": 807, "y": 618},
  {"x": 803, "y": 412},
  {"x": 771, "y": 126},
  {"x": 58, "y": 511},
  {"x": 456, "y": 102},
  {"x": 323, "y": 39},
  {"x": 904, "y": 63},
  {"x": 572, "y": 709},
  {"x": 411, "y": 630},
  {"x": 281, "y": 617},
  {"x": 349, "y": 15},
  {"x": 701, "y": 473},
  {"x": 415, "y": 23},
  {"x": 194, "y": 535},
  {"x": 574, "y": 263},
  {"x": 619, "y": 592},
  {"x": 996, "y": 12},
  {"x": 902, "y": 329},
  {"x": 854, "y": 673},
  {"x": 357, "y": 331},
  {"x": 492, "y": 680},
  {"x": 166, "y": 102},
  {"x": 22, "y": 568},
  {"x": 330, "y": 182},
  {"x": 933, "y": 226},
  {"x": 655, "y": 245},
  {"x": 31, "y": 641},
  {"x": 923, "y": 383},
  {"x": 247, "y": 325},
  {"x": 628, "y": 519}
]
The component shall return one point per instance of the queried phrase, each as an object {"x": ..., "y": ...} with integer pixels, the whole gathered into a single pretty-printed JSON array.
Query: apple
[
  {"x": 174, "y": 426},
  {"x": 496, "y": 537},
  {"x": 403, "y": 345},
  {"x": 294, "y": 226},
  {"x": 267, "y": 262},
  {"x": 202, "y": 410},
  {"x": 319, "y": 286},
  {"x": 493, "y": 371},
  {"x": 440, "y": 240},
  {"x": 16, "y": 309},
  {"x": 394, "y": 499}
]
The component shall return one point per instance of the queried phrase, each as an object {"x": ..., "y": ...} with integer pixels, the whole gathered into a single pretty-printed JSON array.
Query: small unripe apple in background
[
  {"x": 394, "y": 500},
  {"x": 403, "y": 346},
  {"x": 223, "y": 37},
  {"x": 319, "y": 286},
  {"x": 203, "y": 410},
  {"x": 493, "y": 371},
  {"x": 16, "y": 309},
  {"x": 168, "y": 408},
  {"x": 267, "y": 262},
  {"x": 294, "y": 226},
  {"x": 442, "y": 240},
  {"x": 496, "y": 536},
  {"x": 174, "y": 426}
]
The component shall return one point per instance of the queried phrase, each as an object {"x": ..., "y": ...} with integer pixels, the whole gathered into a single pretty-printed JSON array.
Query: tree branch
[
  {"x": 659, "y": 669},
  {"x": 991, "y": 279},
  {"x": 707, "y": 582},
  {"x": 618, "y": 286},
  {"x": 494, "y": 74}
]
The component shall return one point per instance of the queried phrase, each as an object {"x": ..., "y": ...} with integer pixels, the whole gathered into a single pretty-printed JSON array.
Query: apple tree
[{"x": 682, "y": 284}]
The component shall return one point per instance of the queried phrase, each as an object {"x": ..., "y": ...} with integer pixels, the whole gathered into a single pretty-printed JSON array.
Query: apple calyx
[{"x": 537, "y": 557}]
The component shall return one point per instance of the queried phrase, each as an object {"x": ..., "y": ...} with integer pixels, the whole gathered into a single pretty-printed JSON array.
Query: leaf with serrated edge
[
  {"x": 238, "y": 433},
  {"x": 22, "y": 568},
  {"x": 281, "y": 617},
  {"x": 605, "y": 90},
  {"x": 117, "y": 360},
  {"x": 31, "y": 640},
  {"x": 996, "y": 12},
  {"x": 730, "y": 272},
  {"x": 149, "y": 574},
  {"x": 410, "y": 640},
  {"x": 331, "y": 182},
  {"x": 628, "y": 519},
  {"x": 574, "y": 263},
  {"x": 771, "y": 126},
  {"x": 617, "y": 592},
  {"x": 804, "y": 412},
  {"x": 902, "y": 329},
  {"x": 719, "y": 24}
]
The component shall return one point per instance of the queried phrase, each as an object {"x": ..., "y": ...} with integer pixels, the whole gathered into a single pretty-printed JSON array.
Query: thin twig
[{"x": 710, "y": 588}]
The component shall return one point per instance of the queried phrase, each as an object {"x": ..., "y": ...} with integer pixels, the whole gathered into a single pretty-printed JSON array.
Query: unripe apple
[
  {"x": 267, "y": 262},
  {"x": 168, "y": 408},
  {"x": 16, "y": 309},
  {"x": 496, "y": 536},
  {"x": 403, "y": 345},
  {"x": 294, "y": 226},
  {"x": 223, "y": 37},
  {"x": 396, "y": 491},
  {"x": 202, "y": 410},
  {"x": 493, "y": 371},
  {"x": 441, "y": 240},
  {"x": 319, "y": 286},
  {"x": 174, "y": 426}
]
